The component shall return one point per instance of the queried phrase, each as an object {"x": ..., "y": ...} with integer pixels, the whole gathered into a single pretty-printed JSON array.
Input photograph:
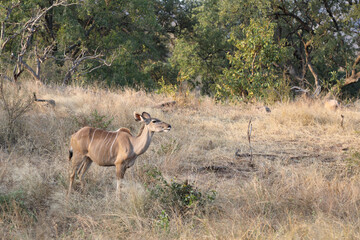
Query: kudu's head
[{"x": 152, "y": 124}]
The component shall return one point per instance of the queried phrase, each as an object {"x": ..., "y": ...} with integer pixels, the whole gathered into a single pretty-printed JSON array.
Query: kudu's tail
[{"x": 70, "y": 154}]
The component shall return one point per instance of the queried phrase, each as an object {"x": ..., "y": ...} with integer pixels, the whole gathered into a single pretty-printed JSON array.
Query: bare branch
[
  {"x": 29, "y": 25},
  {"x": 307, "y": 46},
  {"x": 299, "y": 89},
  {"x": 328, "y": 9},
  {"x": 81, "y": 58},
  {"x": 30, "y": 70},
  {"x": 4, "y": 40},
  {"x": 354, "y": 77},
  {"x": 26, "y": 33},
  {"x": 249, "y": 140},
  {"x": 285, "y": 12}
]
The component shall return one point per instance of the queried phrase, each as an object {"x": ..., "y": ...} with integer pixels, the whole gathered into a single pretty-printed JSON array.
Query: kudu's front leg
[{"x": 120, "y": 172}]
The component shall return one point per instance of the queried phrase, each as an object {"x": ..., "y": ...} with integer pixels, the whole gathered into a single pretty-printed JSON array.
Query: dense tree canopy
[{"x": 239, "y": 49}]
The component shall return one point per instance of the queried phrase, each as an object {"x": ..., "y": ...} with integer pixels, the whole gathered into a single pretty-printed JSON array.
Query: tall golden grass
[{"x": 305, "y": 183}]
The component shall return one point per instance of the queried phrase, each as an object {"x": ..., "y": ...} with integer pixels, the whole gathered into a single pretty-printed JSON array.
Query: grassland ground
[{"x": 304, "y": 182}]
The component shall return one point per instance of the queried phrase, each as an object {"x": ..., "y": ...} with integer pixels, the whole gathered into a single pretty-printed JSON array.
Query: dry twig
[{"x": 251, "y": 164}]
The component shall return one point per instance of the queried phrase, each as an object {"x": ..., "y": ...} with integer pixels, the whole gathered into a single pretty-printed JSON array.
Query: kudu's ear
[
  {"x": 145, "y": 115},
  {"x": 138, "y": 117}
]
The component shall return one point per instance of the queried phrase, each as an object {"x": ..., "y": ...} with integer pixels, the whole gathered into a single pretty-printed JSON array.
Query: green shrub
[
  {"x": 353, "y": 163},
  {"x": 95, "y": 119},
  {"x": 168, "y": 148},
  {"x": 163, "y": 222},
  {"x": 167, "y": 89},
  {"x": 14, "y": 204},
  {"x": 175, "y": 196}
]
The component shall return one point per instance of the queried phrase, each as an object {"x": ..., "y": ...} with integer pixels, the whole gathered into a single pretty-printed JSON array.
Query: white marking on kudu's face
[
  {"x": 155, "y": 125},
  {"x": 152, "y": 124}
]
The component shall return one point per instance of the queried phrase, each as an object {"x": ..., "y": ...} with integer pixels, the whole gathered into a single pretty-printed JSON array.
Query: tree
[
  {"x": 314, "y": 44},
  {"x": 253, "y": 65},
  {"x": 202, "y": 52},
  {"x": 30, "y": 35},
  {"x": 323, "y": 36},
  {"x": 80, "y": 37},
  {"x": 18, "y": 33}
]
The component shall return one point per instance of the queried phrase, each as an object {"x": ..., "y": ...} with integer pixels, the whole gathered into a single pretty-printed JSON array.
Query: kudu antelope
[{"x": 119, "y": 148}]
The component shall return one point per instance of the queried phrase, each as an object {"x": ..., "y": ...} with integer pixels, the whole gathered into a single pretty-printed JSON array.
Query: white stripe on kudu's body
[
  {"x": 113, "y": 142},
  {"x": 93, "y": 145}
]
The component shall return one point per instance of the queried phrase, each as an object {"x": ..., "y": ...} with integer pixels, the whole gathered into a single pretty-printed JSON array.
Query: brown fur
[
  {"x": 141, "y": 129},
  {"x": 125, "y": 130},
  {"x": 106, "y": 148}
]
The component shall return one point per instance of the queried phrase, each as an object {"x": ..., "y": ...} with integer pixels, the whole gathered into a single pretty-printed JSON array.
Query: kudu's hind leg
[
  {"x": 120, "y": 173},
  {"x": 82, "y": 170},
  {"x": 76, "y": 161}
]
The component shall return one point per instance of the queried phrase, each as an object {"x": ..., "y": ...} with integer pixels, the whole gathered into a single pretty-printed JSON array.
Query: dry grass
[{"x": 304, "y": 185}]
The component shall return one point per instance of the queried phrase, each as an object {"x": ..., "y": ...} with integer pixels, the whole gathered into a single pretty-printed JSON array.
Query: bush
[
  {"x": 252, "y": 74},
  {"x": 15, "y": 102},
  {"x": 13, "y": 205},
  {"x": 95, "y": 119},
  {"x": 175, "y": 196}
]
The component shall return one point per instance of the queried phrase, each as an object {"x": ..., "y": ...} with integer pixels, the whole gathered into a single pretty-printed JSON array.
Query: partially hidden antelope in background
[{"x": 106, "y": 148}]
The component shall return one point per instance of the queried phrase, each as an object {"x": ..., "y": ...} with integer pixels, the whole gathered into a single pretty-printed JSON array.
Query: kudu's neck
[{"x": 142, "y": 141}]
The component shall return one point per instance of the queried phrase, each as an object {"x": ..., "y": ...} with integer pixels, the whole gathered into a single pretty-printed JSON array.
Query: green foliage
[
  {"x": 252, "y": 71},
  {"x": 95, "y": 119},
  {"x": 14, "y": 203},
  {"x": 169, "y": 148},
  {"x": 175, "y": 196},
  {"x": 163, "y": 222},
  {"x": 233, "y": 49},
  {"x": 175, "y": 15},
  {"x": 202, "y": 52},
  {"x": 123, "y": 33},
  {"x": 353, "y": 160},
  {"x": 335, "y": 83},
  {"x": 353, "y": 163},
  {"x": 327, "y": 49},
  {"x": 162, "y": 73},
  {"x": 168, "y": 89}
]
